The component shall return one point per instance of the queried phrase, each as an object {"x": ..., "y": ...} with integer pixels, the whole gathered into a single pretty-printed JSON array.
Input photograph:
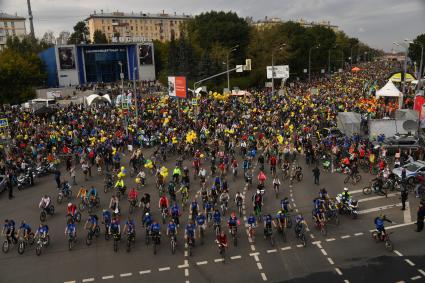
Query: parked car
[
  {"x": 412, "y": 170},
  {"x": 326, "y": 132},
  {"x": 399, "y": 142}
]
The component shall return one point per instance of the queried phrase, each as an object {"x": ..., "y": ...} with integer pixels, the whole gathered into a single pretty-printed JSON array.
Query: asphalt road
[{"x": 346, "y": 254}]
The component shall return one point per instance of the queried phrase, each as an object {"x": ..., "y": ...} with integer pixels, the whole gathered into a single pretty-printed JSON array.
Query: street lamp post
[
  {"x": 227, "y": 63},
  {"x": 135, "y": 93},
  {"x": 122, "y": 95},
  {"x": 277, "y": 48},
  {"x": 351, "y": 57},
  {"x": 400, "y": 103},
  {"x": 329, "y": 62},
  {"x": 309, "y": 61}
]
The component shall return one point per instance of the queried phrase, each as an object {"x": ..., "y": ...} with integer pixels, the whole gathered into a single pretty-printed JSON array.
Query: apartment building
[
  {"x": 11, "y": 25},
  {"x": 128, "y": 27}
]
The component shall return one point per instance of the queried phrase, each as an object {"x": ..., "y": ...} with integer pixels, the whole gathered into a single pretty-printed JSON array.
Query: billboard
[
  {"x": 66, "y": 58},
  {"x": 145, "y": 54},
  {"x": 177, "y": 87},
  {"x": 280, "y": 72}
]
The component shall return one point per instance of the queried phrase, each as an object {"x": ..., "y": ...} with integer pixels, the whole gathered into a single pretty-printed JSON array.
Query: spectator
[
  {"x": 420, "y": 218},
  {"x": 316, "y": 173}
]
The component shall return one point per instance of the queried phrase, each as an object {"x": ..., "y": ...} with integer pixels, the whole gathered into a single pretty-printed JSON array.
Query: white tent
[
  {"x": 388, "y": 90},
  {"x": 91, "y": 98}
]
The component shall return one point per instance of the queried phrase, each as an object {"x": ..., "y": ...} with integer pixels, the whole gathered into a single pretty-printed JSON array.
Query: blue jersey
[
  {"x": 194, "y": 205},
  {"x": 172, "y": 227},
  {"x": 93, "y": 219},
  {"x": 200, "y": 219},
  {"x": 284, "y": 204},
  {"x": 92, "y": 192},
  {"x": 155, "y": 227},
  {"x": 70, "y": 228},
  {"x": 147, "y": 220},
  {"x": 175, "y": 210},
  {"x": 217, "y": 216},
  {"x": 107, "y": 216},
  {"x": 208, "y": 206},
  {"x": 379, "y": 223},
  {"x": 10, "y": 225},
  {"x": 232, "y": 221},
  {"x": 190, "y": 229},
  {"x": 130, "y": 225},
  {"x": 43, "y": 229},
  {"x": 268, "y": 219},
  {"x": 25, "y": 227},
  {"x": 251, "y": 219},
  {"x": 280, "y": 216},
  {"x": 115, "y": 227}
]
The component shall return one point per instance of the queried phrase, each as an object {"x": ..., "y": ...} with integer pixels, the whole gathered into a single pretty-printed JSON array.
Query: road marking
[
  {"x": 396, "y": 226},
  {"x": 421, "y": 272},
  {"x": 236, "y": 257},
  {"x": 300, "y": 246},
  {"x": 378, "y": 197},
  {"x": 263, "y": 276},
  {"x": 254, "y": 254},
  {"x": 126, "y": 274},
  {"x": 345, "y": 236},
  {"x": 338, "y": 271},
  {"x": 286, "y": 248},
  {"x": 400, "y": 281},
  {"x": 69, "y": 281},
  {"x": 256, "y": 258},
  {"x": 252, "y": 248},
  {"x": 145, "y": 272},
  {"x": 324, "y": 252},
  {"x": 407, "y": 217},
  {"x": 346, "y": 281},
  {"x": 294, "y": 205},
  {"x": 331, "y": 261},
  {"x": 201, "y": 262},
  {"x": 356, "y": 191},
  {"x": 316, "y": 242},
  {"x": 359, "y": 234},
  {"x": 416, "y": 277},
  {"x": 271, "y": 251},
  {"x": 88, "y": 280},
  {"x": 186, "y": 253},
  {"x": 307, "y": 229},
  {"x": 374, "y": 209},
  {"x": 398, "y": 253},
  {"x": 312, "y": 236},
  {"x": 186, "y": 272},
  {"x": 409, "y": 262},
  {"x": 164, "y": 268},
  {"x": 260, "y": 267},
  {"x": 292, "y": 200},
  {"x": 330, "y": 239},
  {"x": 108, "y": 277},
  {"x": 183, "y": 265},
  {"x": 218, "y": 259},
  {"x": 296, "y": 209}
]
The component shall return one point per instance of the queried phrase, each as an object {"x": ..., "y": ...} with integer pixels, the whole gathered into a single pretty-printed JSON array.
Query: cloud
[{"x": 377, "y": 23}]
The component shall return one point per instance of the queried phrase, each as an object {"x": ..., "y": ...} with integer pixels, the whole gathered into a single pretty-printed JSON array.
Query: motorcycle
[
  {"x": 64, "y": 192},
  {"x": 353, "y": 207},
  {"x": 26, "y": 179}
]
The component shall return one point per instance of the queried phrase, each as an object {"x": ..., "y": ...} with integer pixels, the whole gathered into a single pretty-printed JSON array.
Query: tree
[
  {"x": 27, "y": 45},
  {"x": 80, "y": 34},
  {"x": 20, "y": 73},
  {"x": 99, "y": 37},
  {"x": 48, "y": 37},
  {"x": 415, "y": 51},
  {"x": 63, "y": 37}
]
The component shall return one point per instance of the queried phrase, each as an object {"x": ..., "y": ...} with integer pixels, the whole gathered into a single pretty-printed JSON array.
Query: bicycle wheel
[
  {"x": 43, "y": 216},
  {"x": 38, "y": 250},
  {"x": 324, "y": 230},
  {"x": 128, "y": 245},
  {"x": 358, "y": 178},
  {"x": 347, "y": 179},
  {"x": 303, "y": 240},
  {"x": 272, "y": 240},
  {"x": 59, "y": 199},
  {"x": 70, "y": 243},
  {"x": 21, "y": 247},
  {"x": 367, "y": 190},
  {"x": 5, "y": 247},
  {"x": 389, "y": 245},
  {"x": 284, "y": 235},
  {"x": 173, "y": 246}
]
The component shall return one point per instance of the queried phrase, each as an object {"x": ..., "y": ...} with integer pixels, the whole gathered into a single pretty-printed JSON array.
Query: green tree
[
  {"x": 20, "y": 73},
  {"x": 80, "y": 34},
  {"x": 99, "y": 37},
  {"x": 415, "y": 51}
]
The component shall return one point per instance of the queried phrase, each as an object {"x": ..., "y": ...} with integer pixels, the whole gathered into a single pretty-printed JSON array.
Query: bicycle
[
  {"x": 155, "y": 242},
  {"x": 269, "y": 235},
  {"x": 380, "y": 237},
  {"x": 7, "y": 243},
  {"x": 239, "y": 206},
  {"x": 217, "y": 228},
  {"x": 353, "y": 178},
  {"x": 40, "y": 243},
  {"x": 173, "y": 243},
  {"x": 91, "y": 233},
  {"x": 234, "y": 234},
  {"x": 23, "y": 242},
  {"x": 131, "y": 239},
  {"x": 276, "y": 190},
  {"x": 71, "y": 241},
  {"x": 117, "y": 238},
  {"x": 190, "y": 245},
  {"x": 164, "y": 214},
  {"x": 251, "y": 232}
]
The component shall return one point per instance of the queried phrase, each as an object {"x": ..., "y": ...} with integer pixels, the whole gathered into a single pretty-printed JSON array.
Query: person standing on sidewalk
[
  {"x": 316, "y": 173},
  {"x": 404, "y": 195},
  {"x": 420, "y": 218}
]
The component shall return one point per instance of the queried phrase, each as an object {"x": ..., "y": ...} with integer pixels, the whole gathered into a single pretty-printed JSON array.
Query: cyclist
[
  {"x": 299, "y": 224},
  {"x": 130, "y": 227},
  {"x": 200, "y": 222},
  {"x": 9, "y": 230},
  {"x": 71, "y": 230},
  {"x": 276, "y": 184},
  {"x": 323, "y": 194},
  {"x": 217, "y": 217},
  {"x": 184, "y": 191},
  {"x": 147, "y": 220},
  {"x": 190, "y": 232},
  {"x": 345, "y": 196},
  {"x": 145, "y": 200},
  {"x": 119, "y": 185},
  {"x": 285, "y": 205},
  {"x": 26, "y": 228},
  {"x": 202, "y": 174},
  {"x": 379, "y": 224},
  {"x": 252, "y": 221},
  {"x": 238, "y": 199},
  {"x": 318, "y": 215},
  {"x": 233, "y": 222},
  {"x": 175, "y": 214},
  {"x": 114, "y": 204},
  {"x": 163, "y": 203},
  {"x": 224, "y": 198},
  {"x": 257, "y": 200},
  {"x": 115, "y": 227},
  {"x": 45, "y": 202},
  {"x": 71, "y": 209},
  {"x": 91, "y": 223},
  {"x": 194, "y": 208},
  {"x": 172, "y": 229},
  {"x": 155, "y": 231},
  {"x": 176, "y": 174},
  {"x": 82, "y": 193},
  {"x": 209, "y": 209},
  {"x": 221, "y": 239},
  {"x": 106, "y": 216},
  {"x": 172, "y": 190},
  {"x": 267, "y": 225},
  {"x": 92, "y": 196}
]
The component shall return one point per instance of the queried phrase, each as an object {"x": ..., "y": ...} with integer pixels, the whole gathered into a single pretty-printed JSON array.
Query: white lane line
[
  {"x": 324, "y": 252},
  {"x": 186, "y": 272},
  {"x": 201, "y": 262},
  {"x": 126, "y": 274},
  {"x": 254, "y": 254},
  {"x": 345, "y": 236},
  {"x": 218, "y": 259},
  {"x": 300, "y": 246},
  {"x": 416, "y": 277},
  {"x": 346, "y": 281},
  {"x": 294, "y": 205},
  {"x": 331, "y": 261},
  {"x": 73, "y": 281},
  {"x": 312, "y": 236},
  {"x": 185, "y": 265},
  {"x": 296, "y": 209},
  {"x": 330, "y": 239},
  {"x": 409, "y": 262},
  {"x": 379, "y": 208},
  {"x": 186, "y": 253},
  {"x": 378, "y": 197},
  {"x": 407, "y": 217},
  {"x": 285, "y": 248},
  {"x": 307, "y": 229},
  {"x": 358, "y": 234},
  {"x": 263, "y": 275},
  {"x": 260, "y": 267},
  {"x": 316, "y": 242},
  {"x": 236, "y": 257},
  {"x": 292, "y": 200},
  {"x": 164, "y": 268},
  {"x": 421, "y": 272},
  {"x": 398, "y": 225},
  {"x": 88, "y": 280},
  {"x": 252, "y": 248},
  {"x": 356, "y": 191},
  {"x": 400, "y": 281},
  {"x": 398, "y": 253},
  {"x": 145, "y": 272},
  {"x": 108, "y": 277},
  {"x": 338, "y": 271},
  {"x": 271, "y": 251}
]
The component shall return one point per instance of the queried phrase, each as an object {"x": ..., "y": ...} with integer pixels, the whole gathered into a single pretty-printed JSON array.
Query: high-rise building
[
  {"x": 128, "y": 27},
  {"x": 11, "y": 25}
]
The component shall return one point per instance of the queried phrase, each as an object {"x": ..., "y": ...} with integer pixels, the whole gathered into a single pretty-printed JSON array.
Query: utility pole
[
  {"x": 135, "y": 93},
  {"x": 277, "y": 48},
  {"x": 30, "y": 17},
  {"x": 227, "y": 64},
  {"x": 309, "y": 61}
]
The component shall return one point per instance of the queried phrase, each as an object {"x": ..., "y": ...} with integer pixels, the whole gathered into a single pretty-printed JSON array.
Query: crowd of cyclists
[{"x": 267, "y": 140}]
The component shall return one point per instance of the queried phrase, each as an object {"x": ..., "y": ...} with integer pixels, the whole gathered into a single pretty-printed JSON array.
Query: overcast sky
[{"x": 376, "y": 22}]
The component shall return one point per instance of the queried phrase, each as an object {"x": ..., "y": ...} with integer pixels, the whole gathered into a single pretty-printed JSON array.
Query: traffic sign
[
  {"x": 194, "y": 101},
  {"x": 3, "y": 123}
]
